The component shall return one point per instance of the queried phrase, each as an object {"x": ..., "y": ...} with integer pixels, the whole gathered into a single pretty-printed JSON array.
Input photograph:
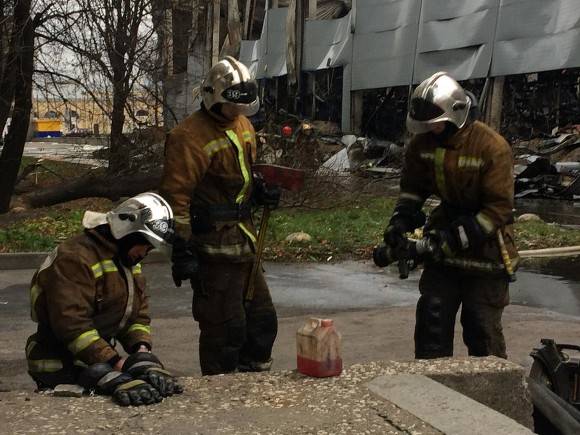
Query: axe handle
[
  {"x": 507, "y": 262},
  {"x": 259, "y": 252}
]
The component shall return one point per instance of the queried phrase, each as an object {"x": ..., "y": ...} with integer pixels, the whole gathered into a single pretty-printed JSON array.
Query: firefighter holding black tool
[
  {"x": 209, "y": 182},
  {"x": 468, "y": 251}
]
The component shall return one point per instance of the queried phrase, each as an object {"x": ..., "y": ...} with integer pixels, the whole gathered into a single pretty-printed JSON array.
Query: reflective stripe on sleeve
[
  {"x": 469, "y": 162},
  {"x": 83, "y": 341},
  {"x": 44, "y": 365},
  {"x": 411, "y": 196},
  {"x": 215, "y": 146},
  {"x": 41, "y": 365},
  {"x": 35, "y": 291},
  {"x": 485, "y": 223},
  {"x": 97, "y": 270},
  {"x": 102, "y": 267},
  {"x": 246, "y": 135},
  {"x": 138, "y": 327},
  {"x": 137, "y": 269},
  {"x": 182, "y": 219}
]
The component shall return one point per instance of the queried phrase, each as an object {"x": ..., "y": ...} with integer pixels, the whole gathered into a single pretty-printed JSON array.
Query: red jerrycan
[{"x": 318, "y": 348}]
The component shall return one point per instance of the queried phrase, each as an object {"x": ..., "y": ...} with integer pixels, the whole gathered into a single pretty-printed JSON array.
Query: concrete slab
[
  {"x": 443, "y": 408},
  {"x": 282, "y": 402}
]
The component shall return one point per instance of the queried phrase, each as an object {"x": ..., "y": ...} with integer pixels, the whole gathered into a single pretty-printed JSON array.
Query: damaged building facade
[{"x": 354, "y": 63}]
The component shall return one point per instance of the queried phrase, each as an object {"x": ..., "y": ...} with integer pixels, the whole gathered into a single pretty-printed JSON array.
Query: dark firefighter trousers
[
  {"x": 482, "y": 299},
  {"x": 232, "y": 334}
]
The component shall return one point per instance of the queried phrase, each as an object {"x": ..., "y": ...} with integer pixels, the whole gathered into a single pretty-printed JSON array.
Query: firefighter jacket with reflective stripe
[
  {"x": 208, "y": 163},
  {"x": 82, "y": 298},
  {"x": 472, "y": 173}
]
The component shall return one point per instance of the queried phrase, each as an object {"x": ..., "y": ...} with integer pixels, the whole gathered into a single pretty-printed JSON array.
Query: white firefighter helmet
[
  {"x": 147, "y": 213},
  {"x": 230, "y": 81},
  {"x": 438, "y": 98}
]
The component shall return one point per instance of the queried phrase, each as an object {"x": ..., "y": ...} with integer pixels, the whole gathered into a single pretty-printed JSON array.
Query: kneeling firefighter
[
  {"x": 89, "y": 293},
  {"x": 469, "y": 236},
  {"x": 209, "y": 183}
]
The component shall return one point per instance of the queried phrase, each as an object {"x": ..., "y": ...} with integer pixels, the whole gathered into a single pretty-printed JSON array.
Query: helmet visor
[
  {"x": 423, "y": 110},
  {"x": 242, "y": 93}
]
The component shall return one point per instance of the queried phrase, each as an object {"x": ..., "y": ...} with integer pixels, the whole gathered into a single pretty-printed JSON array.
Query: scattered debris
[
  {"x": 364, "y": 155},
  {"x": 529, "y": 217},
  {"x": 299, "y": 237},
  {"x": 68, "y": 390},
  {"x": 538, "y": 177}
]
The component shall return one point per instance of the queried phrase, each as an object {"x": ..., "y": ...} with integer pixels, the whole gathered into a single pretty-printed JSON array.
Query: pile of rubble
[{"x": 549, "y": 168}]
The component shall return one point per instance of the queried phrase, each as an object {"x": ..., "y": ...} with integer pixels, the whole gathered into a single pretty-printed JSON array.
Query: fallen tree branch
[{"x": 95, "y": 185}]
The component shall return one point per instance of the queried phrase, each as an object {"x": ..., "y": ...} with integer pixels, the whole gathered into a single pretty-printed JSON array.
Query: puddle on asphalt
[{"x": 551, "y": 284}]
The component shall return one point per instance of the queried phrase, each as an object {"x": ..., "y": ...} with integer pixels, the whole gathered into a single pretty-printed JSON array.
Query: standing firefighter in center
[
  {"x": 469, "y": 167},
  {"x": 208, "y": 181}
]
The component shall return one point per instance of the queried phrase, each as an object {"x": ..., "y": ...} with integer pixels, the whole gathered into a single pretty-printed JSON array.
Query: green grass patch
[
  {"x": 338, "y": 233},
  {"x": 40, "y": 234},
  {"x": 345, "y": 232},
  {"x": 539, "y": 235}
]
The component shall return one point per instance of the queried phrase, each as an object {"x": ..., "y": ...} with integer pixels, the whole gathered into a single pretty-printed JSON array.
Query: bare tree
[
  {"x": 109, "y": 47},
  {"x": 15, "y": 91}
]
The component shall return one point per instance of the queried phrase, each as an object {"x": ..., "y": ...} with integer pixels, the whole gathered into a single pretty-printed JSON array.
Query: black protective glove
[
  {"x": 147, "y": 367},
  {"x": 135, "y": 393},
  {"x": 124, "y": 389},
  {"x": 394, "y": 235},
  {"x": 184, "y": 262},
  {"x": 263, "y": 194},
  {"x": 464, "y": 233},
  {"x": 403, "y": 221}
]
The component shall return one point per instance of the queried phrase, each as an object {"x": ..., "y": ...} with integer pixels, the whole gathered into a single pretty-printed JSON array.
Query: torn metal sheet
[
  {"x": 456, "y": 40},
  {"x": 399, "y": 41},
  {"x": 327, "y": 43},
  {"x": 266, "y": 57},
  {"x": 537, "y": 35},
  {"x": 250, "y": 54}
]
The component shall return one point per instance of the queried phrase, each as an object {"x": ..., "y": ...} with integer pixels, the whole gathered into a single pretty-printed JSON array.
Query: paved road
[{"x": 373, "y": 309}]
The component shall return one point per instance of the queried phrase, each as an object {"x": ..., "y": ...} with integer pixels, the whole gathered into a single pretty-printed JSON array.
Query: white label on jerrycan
[{"x": 318, "y": 348}]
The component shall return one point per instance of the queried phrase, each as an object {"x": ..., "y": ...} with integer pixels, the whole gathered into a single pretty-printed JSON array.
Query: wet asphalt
[{"x": 302, "y": 288}]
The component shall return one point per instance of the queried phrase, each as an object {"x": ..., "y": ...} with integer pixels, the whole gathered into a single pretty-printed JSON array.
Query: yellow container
[{"x": 48, "y": 125}]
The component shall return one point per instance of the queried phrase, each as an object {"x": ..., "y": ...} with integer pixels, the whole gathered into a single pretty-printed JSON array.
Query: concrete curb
[{"x": 32, "y": 260}]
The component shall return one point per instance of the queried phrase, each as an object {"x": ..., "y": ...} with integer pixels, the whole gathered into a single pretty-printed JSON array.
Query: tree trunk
[
  {"x": 8, "y": 73},
  {"x": 118, "y": 152},
  {"x": 14, "y": 145},
  {"x": 95, "y": 186}
]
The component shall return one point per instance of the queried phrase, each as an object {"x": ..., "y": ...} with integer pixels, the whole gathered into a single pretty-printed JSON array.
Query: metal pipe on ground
[
  {"x": 568, "y": 251},
  {"x": 563, "y": 416}
]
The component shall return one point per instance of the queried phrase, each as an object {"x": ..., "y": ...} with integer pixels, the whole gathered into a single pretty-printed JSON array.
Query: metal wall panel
[
  {"x": 457, "y": 38},
  {"x": 274, "y": 64},
  {"x": 384, "y": 43},
  {"x": 537, "y": 35},
  {"x": 396, "y": 39},
  {"x": 327, "y": 43},
  {"x": 266, "y": 57}
]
